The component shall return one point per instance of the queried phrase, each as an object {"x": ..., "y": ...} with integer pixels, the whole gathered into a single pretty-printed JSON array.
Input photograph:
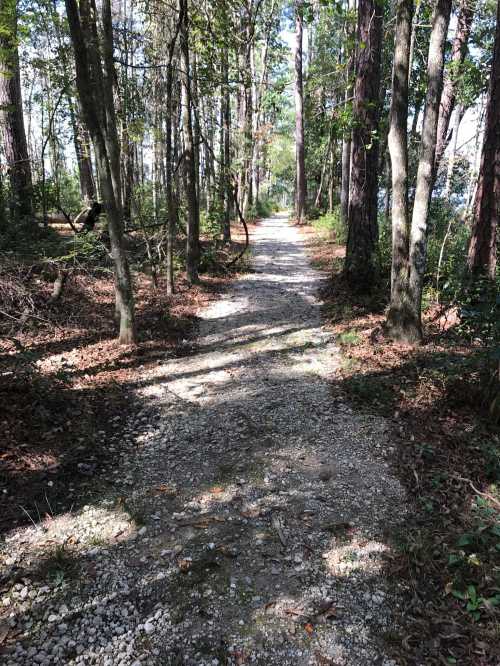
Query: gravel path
[{"x": 252, "y": 511}]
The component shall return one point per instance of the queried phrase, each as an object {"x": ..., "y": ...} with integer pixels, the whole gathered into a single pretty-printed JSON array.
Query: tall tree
[
  {"x": 483, "y": 242},
  {"x": 300, "y": 167},
  {"x": 346, "y": 139},
  {"x": 193, "y": 215},
  {"x": 360, "y": 264},
  {"x": 93, "y": 49},
  {"x": 11, "y": 114},
  {"x": 399, "y": 314},
  {"x": 418, "y": 235},
  {"x": 449, "y": 95}
]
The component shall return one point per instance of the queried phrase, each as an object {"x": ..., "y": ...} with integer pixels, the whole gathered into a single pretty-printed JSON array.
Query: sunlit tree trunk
[
  {"x": 300, "y": 167},
  {"x": 399, "y": 317},
  {"x": 418, "y": 234},
  {"x": 93, "y": 75}
]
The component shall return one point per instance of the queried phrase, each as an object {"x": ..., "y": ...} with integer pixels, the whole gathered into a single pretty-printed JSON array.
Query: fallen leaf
[
  {"x": 309, "y": 628},
  {"x": 4, "y": 632},
  {"x": 165, "y": 488},
  {"x": 184, "y": 565}
]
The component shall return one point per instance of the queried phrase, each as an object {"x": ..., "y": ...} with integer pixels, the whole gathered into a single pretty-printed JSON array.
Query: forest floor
[
  {"x": 267, "y": 481},
  {"x": 436, "y": 399},
  {"x": 247, "y": 515}
]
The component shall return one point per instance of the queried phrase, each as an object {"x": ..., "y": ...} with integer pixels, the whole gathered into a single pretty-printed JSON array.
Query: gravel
[{"x": 251, "y": 517}]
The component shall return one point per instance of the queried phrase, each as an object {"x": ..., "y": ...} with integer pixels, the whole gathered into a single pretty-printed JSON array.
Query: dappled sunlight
[{"x": 231, "y": 526}]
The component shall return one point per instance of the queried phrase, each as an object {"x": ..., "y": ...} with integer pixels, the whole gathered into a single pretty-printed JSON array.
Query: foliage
[{"x": 331, "y": 225}]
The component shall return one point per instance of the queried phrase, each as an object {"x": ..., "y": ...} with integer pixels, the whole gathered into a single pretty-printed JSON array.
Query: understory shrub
[{"x": 330, "y": 224}]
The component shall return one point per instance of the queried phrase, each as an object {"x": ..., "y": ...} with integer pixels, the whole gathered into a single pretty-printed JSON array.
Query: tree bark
[
  {"x": 300, "y": 167},
  {"x": 399, "y": 317},
  {"x": 360, "y": 264},
  {"x": 12, "y": 129},
  {"x": 449, "y": 95},
  {"x": 226, "y": 192},
  {"x": 81, "y": 141},
  {"x": 92, "y": 76},
  {"x": 452, "y": 152},
  {"x": 346, "y": 139},
  {"x": 483, "y": 242},
  {"x": 193, "y": 219},
  {"x": 425, "y": 172}
]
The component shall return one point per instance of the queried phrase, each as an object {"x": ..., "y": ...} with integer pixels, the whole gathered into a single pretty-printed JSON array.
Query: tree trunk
[
  {"x": 399, "y": 317},
  {"x": 418, "y": 236},
  {"x": 300, "y": 168},
  {"x": 81, "y": 142},
  {"x": 98, "y": 111},
  {"x": 449, "y": 95},
  {"x": 453, "y": 151},
  {"x": 414, "y": 27},
  {"x": 346, "y": 139},
  {"x": 360, "y": 264},
  {"x": 483, "y": 242},
  {"x": 12, "y": 129},
  {"x": 193, "y": 220}
]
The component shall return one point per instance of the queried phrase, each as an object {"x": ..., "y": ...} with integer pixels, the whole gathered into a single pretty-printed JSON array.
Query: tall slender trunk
[
  {"x": 399, "y": 317},
  {"x": 346, "y": 139},
  {"x": 91, "y": 79},
  {"x": 227, "y": 151},
  {"x": 418, "y": 235},
  {"x": 12, "y": 129},
  {"x": 193, "y": 219},
  {"x": 449, "y": 95},
  {"x": 453, "y": 151},
  {"x": 300, "y": 166},
  {"x": 360, "y": 264},
  {"x": 81, "y": 142},
  {"x": 413, "y": 38},
  {"x": 482, "y": 257},
  {"x": 171, "y": 215}
]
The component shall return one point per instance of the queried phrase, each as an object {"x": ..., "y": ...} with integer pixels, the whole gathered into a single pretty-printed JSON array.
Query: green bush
[{"x": 331, "y": 224}]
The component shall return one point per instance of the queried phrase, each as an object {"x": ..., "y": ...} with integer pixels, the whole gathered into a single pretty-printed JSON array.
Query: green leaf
[
  {"x": 495, "y": 530},
  {"x": 465, "y": 540},
  {"x": 471, "y": 591},
  {"x": 459, "y": 595}
]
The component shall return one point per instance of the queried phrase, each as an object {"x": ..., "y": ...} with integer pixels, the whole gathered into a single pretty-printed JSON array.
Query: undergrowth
[{"x": 438, "y": 400}]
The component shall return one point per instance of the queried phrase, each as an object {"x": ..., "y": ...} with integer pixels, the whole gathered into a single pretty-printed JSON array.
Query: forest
[{"x": 249, "y": 332}]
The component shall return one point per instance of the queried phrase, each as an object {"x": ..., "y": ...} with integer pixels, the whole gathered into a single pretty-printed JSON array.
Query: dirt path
[{"x": 251, "y": 513}]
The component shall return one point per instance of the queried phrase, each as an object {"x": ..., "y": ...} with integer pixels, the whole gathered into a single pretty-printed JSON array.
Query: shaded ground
[
  {"x": 436, "y": 398},
  {"x": 249, "y": 516},
  {"x": 64, "y": 383}
]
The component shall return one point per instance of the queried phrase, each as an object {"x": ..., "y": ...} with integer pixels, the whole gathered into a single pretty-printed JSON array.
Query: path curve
[{"x": 266, "y": 505}]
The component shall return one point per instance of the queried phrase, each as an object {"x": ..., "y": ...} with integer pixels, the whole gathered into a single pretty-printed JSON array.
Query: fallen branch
[{"x": 487, "y": 496}]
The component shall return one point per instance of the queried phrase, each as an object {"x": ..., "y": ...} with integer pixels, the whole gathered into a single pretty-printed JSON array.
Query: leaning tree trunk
[
  {"x": 425, "y": 172},
  {"x": 91, "y": 50},
  {"x": 482, "y": 248},
  {"x": 449, "y": 96},
  {"x": 12, "y": 129},
  {"x": 300, "y": 168},
  {"x": 399, "y": 317},
  {"x": 193, "y": 220},
  {"x": 360, "y": 264}
]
